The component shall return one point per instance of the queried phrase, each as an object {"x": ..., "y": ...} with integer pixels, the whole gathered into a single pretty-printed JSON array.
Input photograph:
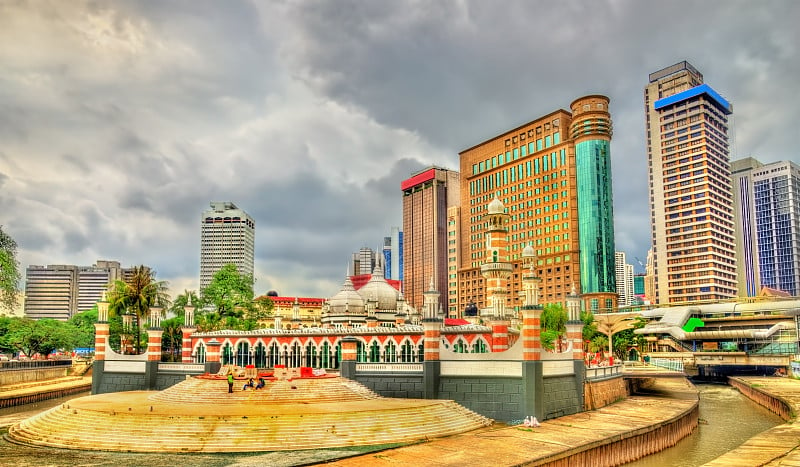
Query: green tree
[
  {"x": 554, "y": 324},
  {"x": 262, "y": 309},
  {"x": 230, "y": 292},
  {"x": 83, "y": 324},
  {"x": 171, "y": 339},
  {"x": 39, "y": 336},
  {"x": 135, "y": 296},
  {"x": 598, "y": 343},
  {"x": 9, "y": 271}
]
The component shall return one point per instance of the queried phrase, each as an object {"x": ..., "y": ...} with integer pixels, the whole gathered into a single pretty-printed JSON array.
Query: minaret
[
  {"x": 296, "y": 314},
  {"x": 575, "y": 324},
  {"x": 496, "y": 268},
  {"x": 531, "y": 310},
  {"x": 432, "y": 326}
]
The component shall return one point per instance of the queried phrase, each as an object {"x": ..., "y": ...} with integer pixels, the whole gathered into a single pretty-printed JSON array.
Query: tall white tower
[{"x": 227, "y": 236}]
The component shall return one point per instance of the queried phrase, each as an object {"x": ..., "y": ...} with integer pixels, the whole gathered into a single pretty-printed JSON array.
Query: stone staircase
[{"x": 200, "y": 416}]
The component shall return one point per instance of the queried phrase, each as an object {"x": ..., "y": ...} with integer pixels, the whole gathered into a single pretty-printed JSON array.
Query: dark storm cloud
[{"x": 120, "y": 121}]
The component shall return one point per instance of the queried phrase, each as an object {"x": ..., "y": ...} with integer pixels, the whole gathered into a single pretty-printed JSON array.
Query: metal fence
[
  {"x": 667, "y": 363},
  {"x": 29, "y": 364}
]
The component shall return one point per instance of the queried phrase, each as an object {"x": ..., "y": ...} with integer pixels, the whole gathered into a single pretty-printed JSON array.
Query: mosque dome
[
  {"x": 346, "y": 300},
  {"x": 529, "y": 252},
  {"x": 496, "y": 206},
  {"x": 378, "y": 290}
]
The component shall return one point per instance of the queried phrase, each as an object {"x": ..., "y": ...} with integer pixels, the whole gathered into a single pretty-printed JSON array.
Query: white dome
[
  {"x": 529, "y": 252},
  {"x": 496, "y": 206},
  {"x": 346, "y": 300},
  {"x": 378, "y": 290}
]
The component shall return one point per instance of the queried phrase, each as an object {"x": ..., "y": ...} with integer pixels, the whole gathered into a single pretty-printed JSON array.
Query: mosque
[{"x": 373, "y": 362}]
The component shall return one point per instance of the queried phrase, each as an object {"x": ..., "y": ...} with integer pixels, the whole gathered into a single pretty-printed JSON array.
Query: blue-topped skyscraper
[{"x": 691, "y": 201}]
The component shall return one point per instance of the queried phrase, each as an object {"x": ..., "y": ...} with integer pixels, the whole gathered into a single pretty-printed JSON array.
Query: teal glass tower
[{"x": 591, "y": 132}]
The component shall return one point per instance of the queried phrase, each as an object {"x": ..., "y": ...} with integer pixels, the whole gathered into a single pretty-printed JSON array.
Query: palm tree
[{"x": 136, "y": 295}]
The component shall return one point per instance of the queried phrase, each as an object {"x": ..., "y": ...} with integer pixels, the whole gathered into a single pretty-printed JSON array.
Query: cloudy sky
[{"x": 121, "y": 121}]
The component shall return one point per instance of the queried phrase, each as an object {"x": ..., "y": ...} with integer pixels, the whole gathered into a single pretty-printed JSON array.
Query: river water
[{"x": 727, "y": 419}]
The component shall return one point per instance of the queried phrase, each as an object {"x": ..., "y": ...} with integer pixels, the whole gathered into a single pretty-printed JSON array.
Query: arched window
[
  {"x": 325, "y": 355},
  {"x": 200, "y": 353},
  {"x": 421, "y": 353},
  {"x": 311, "y": 355},
  {"x": 260, "y": 355},
  {"x": 296, "y": 357},
  {"x": 460, "y": 346},
  {"x": 227, "y": 354},
  {"x": 407, "y": 352},
  {"x": 361, "y": 354},
  {"x": 243, "y": 354},
  {"x": 390, "y": 352},
  {"x": 479, "y": 346},
  {"x": 338, "y": 359},
  {"x": 374, "y": 352},
  {"x": 274, "y": 355}
]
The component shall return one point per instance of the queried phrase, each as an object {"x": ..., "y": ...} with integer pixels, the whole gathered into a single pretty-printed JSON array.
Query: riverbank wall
[
  {"x": 778, "y": 445},
  {"x": 760, "y": 395}
]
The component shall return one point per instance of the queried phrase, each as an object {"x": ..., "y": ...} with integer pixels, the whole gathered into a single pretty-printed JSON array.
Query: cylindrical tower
[{"x": 591, "y": 133}]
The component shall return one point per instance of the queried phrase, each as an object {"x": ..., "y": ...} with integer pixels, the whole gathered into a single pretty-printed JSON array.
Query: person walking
[{"x": 230, "y": 383}]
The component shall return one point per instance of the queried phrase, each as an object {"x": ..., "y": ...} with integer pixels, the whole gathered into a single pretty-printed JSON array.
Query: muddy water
[{"x": 727, "y": 419}]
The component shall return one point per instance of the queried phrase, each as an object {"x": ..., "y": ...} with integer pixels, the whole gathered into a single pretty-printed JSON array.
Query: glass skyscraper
[{"x": 768, "y": 210}]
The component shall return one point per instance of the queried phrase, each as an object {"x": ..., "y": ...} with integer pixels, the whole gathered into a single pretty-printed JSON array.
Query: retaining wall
[
  {"x": 775, "y": 404},
  {"x": 29, "y": 375},
  {"x": 604, "y": 392},
  {"x": 631, "y": 446},
  {"x": 29, "y": 398}
]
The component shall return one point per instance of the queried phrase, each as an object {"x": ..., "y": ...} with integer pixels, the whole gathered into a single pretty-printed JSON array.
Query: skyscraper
[
  {"x": 624, "y": 276},
  {"x": 768, "y": 213},
  {"x": 363, "y": 261},
  {"x": 553, "y": 177},
  {"x": 60, "y": 291},
  {"x": 426, "y": 197},
  {"x": 393, "y": 255},
  {"x": 691, "y": 214},
  {"x": 227, "y": 236}
]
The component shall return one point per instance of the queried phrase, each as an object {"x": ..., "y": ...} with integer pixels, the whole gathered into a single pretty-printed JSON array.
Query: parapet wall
[{"x": 601, "y": 393}]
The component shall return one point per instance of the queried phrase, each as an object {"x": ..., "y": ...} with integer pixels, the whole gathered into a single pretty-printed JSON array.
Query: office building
[
  {"x": 767, "y": 203},
  {"x": 227, "y": 236},
  {"x": 61, "y": 291},
  {"x": 363, "y": 261},
  {"x": 535, "y": 170},
  {"x": 393, "y": 255},
  {"x": 624, "y": 277},
  {"x": 426, "y": 198},
  {"x": 691, "y": 203}
]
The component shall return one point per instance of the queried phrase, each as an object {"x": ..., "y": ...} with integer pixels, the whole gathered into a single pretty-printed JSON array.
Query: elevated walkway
[{"x": 199, "y": 415}]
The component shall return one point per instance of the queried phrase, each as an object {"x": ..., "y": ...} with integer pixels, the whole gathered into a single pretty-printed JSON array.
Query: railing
[
  {"x": 669, "y": 364},
  {"x": 29, "y": 364},
  {"x": 601, "y": 372},
  {"x": 389, "y": 367}
]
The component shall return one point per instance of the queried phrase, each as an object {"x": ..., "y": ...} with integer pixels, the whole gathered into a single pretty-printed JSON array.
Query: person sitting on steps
[{"x": 251, "y": 384}]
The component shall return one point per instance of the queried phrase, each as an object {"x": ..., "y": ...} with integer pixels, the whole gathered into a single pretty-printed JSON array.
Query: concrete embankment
[
  {"x": 27, "y": 392},
  {"x": 776, "y": 446},
  {"x": 664, "y": 413}
]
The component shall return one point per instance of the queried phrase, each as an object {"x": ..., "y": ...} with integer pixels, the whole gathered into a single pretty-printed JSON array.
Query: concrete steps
[{"x": 271, "y": 421}]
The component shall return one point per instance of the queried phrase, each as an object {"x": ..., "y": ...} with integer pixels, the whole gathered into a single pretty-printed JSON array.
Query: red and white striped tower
[
  {"x": 531, "y": 311},
  {"x": 101, "y": 330},
  {"x": 575, "y": 324},
  {"x": 431, "y": 323},
  {"x": 496, "y": 269},
  {"x": 187, "y": 330},
  {"x": 154, "y": 333}
]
